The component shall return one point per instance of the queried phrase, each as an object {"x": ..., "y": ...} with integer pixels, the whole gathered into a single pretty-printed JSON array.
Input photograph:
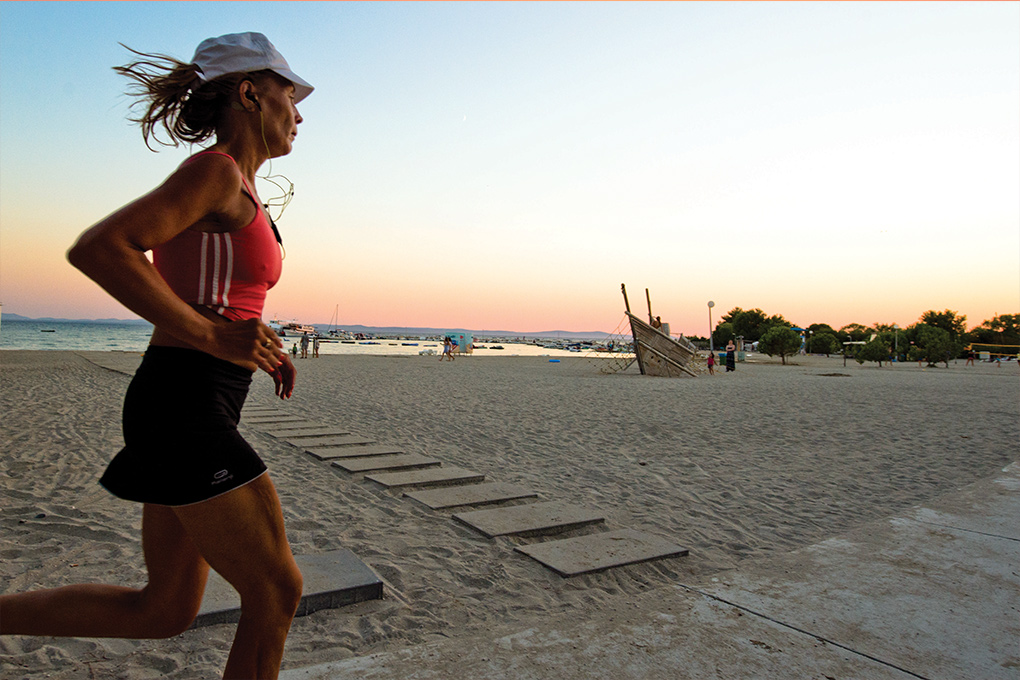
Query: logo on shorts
[{"x": 222, "y": 476}]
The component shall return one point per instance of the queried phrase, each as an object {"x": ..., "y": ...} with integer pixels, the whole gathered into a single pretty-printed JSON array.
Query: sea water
[
  {"x": 134, "y": 337},
  {"x": 74, "y": 335}
]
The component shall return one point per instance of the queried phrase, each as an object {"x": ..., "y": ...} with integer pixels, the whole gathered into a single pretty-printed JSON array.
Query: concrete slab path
[
  {"x": 470, "y": 495},
  {"x": 529, "y": 520},
  {"x": 441, "y": 476},
  {"x": 306, "y": 431},
  {"x": 320, "y": 442},
  {"x": 268, "y": 419},
  {"x": 334, "y": 452},
  {"x": 407, "y": 461},
  {"x": 597, "y": 552},
  {"x": 331, "y": 580},
  {"x": 900, "y": 598}
]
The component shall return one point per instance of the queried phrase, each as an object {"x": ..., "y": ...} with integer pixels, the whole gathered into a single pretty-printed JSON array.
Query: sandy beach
[{"x": 740, "y": 468}]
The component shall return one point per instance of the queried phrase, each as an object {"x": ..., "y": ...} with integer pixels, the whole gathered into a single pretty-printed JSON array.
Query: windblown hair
[{"x": 176, "y": 101}]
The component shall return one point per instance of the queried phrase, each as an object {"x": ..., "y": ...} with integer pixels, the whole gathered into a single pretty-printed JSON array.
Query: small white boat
[{"x": 291, "y": 327}]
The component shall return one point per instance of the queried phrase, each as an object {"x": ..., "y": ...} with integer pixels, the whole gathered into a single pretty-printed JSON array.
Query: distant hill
[
  {"x": 8, "y": 316},
  {"x": 416, "y": 331},
  {"x": 357, "y": 328}
]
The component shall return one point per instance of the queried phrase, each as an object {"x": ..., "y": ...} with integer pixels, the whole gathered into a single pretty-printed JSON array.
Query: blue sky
[{"x": 508, "y": 165}]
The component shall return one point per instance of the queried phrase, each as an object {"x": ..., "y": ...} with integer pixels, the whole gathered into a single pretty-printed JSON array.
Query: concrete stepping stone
[
  {"x": 280, "y": 418},
  {"x": 334, "y": 452},
  {"x": 331, "y": 580},
  {"x": 324, "y": 441},
  {"x": 441, "y": 476},
  {"x": 407, "y": 461},
  {"x": 261, "y": 410},
  {"x": 472, "y": 494},
  {"x": 308, "y": 432},
  {"x": 529, "y": 520},
  {"x": 302, "y": 425},
  {"x": 597, "y": 552}
]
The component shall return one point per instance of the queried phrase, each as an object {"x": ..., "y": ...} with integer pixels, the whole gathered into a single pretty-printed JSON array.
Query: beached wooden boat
[{"x": 657, "y": 353}]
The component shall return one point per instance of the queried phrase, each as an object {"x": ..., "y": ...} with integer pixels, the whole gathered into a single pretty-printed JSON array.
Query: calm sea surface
[
  {"x": 128, "y": 337},
  {"x": 74, "y": 336}
]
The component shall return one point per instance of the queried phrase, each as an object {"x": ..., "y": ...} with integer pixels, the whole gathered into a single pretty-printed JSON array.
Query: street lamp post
[{"x": 711, "y": 344}]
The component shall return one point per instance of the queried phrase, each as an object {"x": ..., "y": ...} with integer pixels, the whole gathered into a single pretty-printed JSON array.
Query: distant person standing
[
  {"x": 731, "y": 356},
  {"x": 711, "y": 363},
  {"x": 304, "y": 345},
  {"x": 315, "y": 347}
]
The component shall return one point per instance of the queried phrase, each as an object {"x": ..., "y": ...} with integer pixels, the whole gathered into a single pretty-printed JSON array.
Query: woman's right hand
[{"x": 249, "y": 342}]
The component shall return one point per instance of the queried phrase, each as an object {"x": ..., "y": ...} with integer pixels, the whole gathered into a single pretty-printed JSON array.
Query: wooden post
[
  {"x": 648, "y": 297},
  {"x": 633, "y": 334}
]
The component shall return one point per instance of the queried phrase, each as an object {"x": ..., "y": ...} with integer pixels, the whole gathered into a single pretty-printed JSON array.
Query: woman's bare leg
[
  {"x": 163, "y": 608},
  {"x": 241, "y": 535}
]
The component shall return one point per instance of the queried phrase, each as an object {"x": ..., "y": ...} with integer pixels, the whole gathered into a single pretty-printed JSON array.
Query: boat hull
[{"x": 660, "y": 355}]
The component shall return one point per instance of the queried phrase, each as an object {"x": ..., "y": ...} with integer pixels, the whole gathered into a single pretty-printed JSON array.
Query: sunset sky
[{"x": 506, "y": 166}]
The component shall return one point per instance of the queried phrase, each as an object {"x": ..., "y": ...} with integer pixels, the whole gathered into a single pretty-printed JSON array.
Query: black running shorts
[{"x": 180, "y": 430}]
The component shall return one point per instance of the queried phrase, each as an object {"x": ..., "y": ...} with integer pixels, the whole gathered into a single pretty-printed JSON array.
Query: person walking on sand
[
  {"x": 207, "y": 499},
  {"x": 731, "y": 356},
  {"x": 304, "y": 345},
  {"x": 447, "y": 349},
  {"x": 711, "y": 363},
  {"x": 315, "y": 347}
]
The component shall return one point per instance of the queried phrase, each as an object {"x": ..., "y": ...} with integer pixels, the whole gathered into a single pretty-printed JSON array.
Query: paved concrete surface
[{"x": 933, "y": 594}]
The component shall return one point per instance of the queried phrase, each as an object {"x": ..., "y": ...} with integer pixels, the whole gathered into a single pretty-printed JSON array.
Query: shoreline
[{"x": 738, "y": 468}]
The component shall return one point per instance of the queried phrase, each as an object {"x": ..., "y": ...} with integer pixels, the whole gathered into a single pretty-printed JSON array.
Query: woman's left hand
[{"x": 284, "y": 377}]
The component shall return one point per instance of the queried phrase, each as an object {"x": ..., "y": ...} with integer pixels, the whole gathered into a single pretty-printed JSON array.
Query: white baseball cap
[{"x": 245, "y": 53}]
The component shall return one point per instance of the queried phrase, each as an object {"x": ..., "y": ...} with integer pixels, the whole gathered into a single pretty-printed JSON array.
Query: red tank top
[{"x": 229, "y": 272}]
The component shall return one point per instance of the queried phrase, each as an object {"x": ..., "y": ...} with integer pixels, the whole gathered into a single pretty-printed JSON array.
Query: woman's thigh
[
  {"x": 241, "y": 535},
  {"x": 177, "y": 571}
]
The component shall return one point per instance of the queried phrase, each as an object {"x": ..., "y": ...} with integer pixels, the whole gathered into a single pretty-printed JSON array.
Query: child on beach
[
  {"x": 711, "y": 363},
  {"x": 207, "y": 500}
]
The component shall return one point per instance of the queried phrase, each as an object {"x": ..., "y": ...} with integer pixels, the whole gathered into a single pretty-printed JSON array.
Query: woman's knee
[
  {"x": 277, "y": 592},
  {"x": 165, "y": 617}
]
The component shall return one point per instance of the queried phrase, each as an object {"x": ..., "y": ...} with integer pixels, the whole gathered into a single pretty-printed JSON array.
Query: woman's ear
[{"x": 247, "y": 95}]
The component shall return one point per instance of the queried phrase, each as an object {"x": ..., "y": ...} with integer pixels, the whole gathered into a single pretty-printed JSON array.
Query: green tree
[
  {"x": 876, "y": 350},
  {"x": 824, "y": 343},
  {"x": 935, "y": 344},
  {"x": 855, "y": 331},
  {"x": 1003, "y": 329},
  {"x": 749, "y": 324},
  {"x": 722, "y": 334},
  {"x": 774, "y": 320},
  {"x": 819, "y": 328},
  {"x": 780, "y": 341},
  {"x": 948, "y": 320}
]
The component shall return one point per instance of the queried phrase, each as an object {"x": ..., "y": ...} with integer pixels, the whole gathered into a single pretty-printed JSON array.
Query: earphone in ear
[{"x": 250, "y": 97}]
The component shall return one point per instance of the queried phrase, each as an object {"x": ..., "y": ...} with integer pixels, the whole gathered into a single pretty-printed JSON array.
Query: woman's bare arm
[{"x": 112, "y": 253}]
